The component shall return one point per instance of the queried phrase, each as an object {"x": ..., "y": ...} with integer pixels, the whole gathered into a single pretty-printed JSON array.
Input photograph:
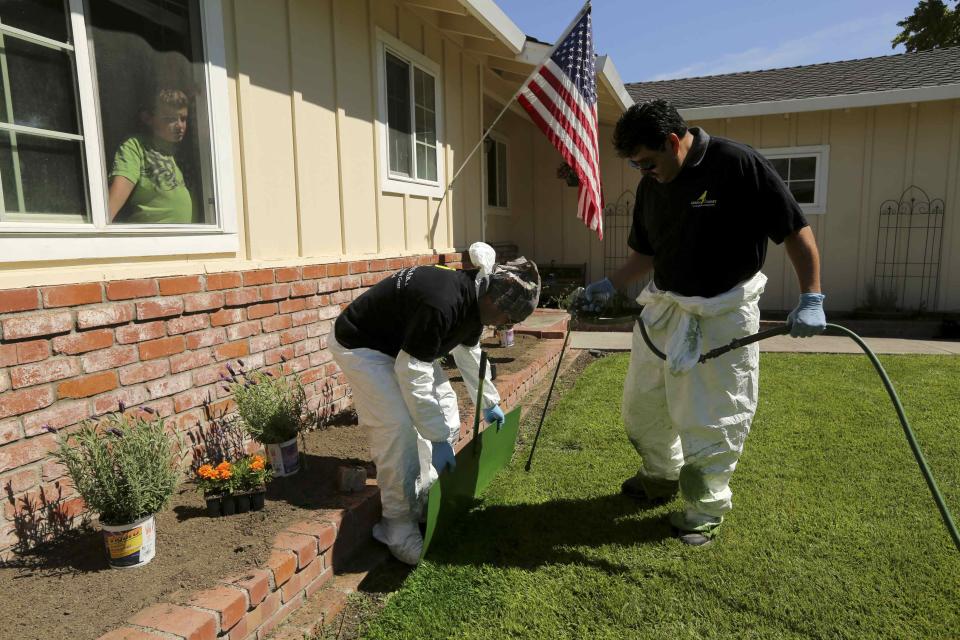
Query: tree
[{"x": 933, "y": 25}]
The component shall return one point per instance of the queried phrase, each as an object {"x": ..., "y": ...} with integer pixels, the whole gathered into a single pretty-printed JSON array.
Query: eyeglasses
[{"x": 642, "y": 166}]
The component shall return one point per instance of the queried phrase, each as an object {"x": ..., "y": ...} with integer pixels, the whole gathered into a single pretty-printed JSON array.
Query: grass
[{"x": 833, "y": 534}]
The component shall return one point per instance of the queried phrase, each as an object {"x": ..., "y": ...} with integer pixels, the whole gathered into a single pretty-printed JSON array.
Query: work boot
[
  {"x": 650, "y": 491},
  {"x": 696, "y": 532},
  {"x": 402, "y": 537}
]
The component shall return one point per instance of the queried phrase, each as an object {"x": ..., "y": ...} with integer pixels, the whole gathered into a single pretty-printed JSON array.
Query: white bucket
[
  {"x": 506, "y": 337},
  {"x": 284, "y": 458},
  {"x": 130, "y": 545}
]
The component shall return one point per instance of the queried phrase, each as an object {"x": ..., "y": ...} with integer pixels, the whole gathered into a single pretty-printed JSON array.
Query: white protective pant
[
  {"x": 688, "y": 421},
  {"x": 407, "y": 404}
]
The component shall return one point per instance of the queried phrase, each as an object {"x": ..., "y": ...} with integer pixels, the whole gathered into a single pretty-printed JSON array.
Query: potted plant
[
  {"x": 252, "y": 474},
  {"x": 273, "y": 410},
  {"x": 125, "y": 468},
  {"x": 217, "y": 482}
]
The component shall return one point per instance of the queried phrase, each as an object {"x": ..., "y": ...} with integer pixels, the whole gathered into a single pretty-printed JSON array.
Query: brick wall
[{"x": 73, "y": 352}]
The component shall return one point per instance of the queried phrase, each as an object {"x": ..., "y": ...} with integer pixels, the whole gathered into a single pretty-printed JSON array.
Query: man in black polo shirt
[
  {"x": 388, "y": 343},
  {"x": 704, "y": 211}
]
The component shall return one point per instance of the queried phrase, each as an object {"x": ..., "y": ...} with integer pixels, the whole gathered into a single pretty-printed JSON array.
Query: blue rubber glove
[
  {"x": 808, "y": 319},
  {"x": 494, "y": 415},
  {"x": 443, "y": 456},
  {"x": 599, "y": 292}
]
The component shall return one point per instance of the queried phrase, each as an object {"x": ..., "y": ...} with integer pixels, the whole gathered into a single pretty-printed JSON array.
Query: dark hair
[{"x": 647, "y": 124}]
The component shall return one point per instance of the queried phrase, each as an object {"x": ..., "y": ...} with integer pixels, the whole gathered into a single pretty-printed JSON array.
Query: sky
[{"x": 661, "y": 40}]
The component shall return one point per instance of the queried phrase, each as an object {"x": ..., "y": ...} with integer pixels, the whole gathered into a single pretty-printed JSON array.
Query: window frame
[
  {"x": 497, "y": 210},
  {"x": 822, "y": 155},
  {"x": 24, "y": 241},
  {"x": 397, "y": 183}
]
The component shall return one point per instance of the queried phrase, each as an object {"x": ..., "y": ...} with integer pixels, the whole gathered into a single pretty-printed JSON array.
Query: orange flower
[
  {"x": 257, "y": 463},
  {"x": 225, "y": 474},
  {"x": 224, "y": 466},
  {"x": 207, "y": 471}
]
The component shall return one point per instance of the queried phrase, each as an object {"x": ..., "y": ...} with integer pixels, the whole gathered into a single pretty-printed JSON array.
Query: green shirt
[{"x": 160, "y": 194}]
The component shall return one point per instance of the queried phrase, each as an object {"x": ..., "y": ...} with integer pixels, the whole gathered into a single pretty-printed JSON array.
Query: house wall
[{"x": 875, "y": 154}]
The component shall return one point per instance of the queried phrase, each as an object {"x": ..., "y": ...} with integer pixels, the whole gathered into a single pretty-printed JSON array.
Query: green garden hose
[{"x": 907, "y": 431}]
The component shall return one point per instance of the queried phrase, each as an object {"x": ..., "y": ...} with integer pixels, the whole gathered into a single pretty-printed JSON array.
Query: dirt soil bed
[{"x": 65, "y": 590}]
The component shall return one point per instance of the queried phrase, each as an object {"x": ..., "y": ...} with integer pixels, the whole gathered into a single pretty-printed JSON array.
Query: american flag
[{"x": 561, "y": 98}]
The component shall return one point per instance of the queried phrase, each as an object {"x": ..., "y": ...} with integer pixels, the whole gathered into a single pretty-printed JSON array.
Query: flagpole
[{"x": 506, "y": 106}]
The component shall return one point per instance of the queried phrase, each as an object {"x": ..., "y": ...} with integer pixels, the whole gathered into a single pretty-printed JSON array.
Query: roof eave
[
  {"x": 494, "y": 19},
  {"x": 824, "y": 103}
]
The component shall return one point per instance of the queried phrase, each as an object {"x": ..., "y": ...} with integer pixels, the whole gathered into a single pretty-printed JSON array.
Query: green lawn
[{"x": 833, "y": 534}]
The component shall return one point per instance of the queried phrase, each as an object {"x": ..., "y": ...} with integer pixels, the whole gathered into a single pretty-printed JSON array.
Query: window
[
  {"x": 409, "y": 119},
  {"x": 804, "y": 170},
  {"x": 495, "y": 149},
  {"x": 107, "y": 138}
]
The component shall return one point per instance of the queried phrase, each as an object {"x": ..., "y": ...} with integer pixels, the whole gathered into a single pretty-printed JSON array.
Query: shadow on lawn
[{"x": 558, "y": 532}]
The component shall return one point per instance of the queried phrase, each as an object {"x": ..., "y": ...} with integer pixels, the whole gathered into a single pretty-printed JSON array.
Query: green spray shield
[{"x": 477, "y": 464}]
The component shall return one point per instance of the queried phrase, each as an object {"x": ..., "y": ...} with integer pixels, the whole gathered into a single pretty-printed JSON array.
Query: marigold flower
[
  {"x": 207, "y": 471},
  {"x": 257, "y": 464},
  {"x": 225, "y": 474}
]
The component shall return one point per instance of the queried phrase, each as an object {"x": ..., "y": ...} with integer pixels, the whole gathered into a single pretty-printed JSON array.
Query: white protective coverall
[{"x": 688, "y": 421}]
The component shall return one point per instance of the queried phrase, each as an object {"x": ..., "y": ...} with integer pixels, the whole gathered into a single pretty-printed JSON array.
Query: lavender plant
[
  {"x": 124, "y": 467},
  {"x": 272, "y": 409}
]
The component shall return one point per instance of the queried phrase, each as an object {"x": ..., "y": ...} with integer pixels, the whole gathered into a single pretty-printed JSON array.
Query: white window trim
[
  {"x": 400, "y": 184},
  {"x": 492, "y": 210},
  {"x": 26, "y": 242},
  {"x": 822, "y": 153}
]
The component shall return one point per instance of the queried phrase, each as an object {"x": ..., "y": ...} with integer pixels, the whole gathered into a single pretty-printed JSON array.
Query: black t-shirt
[
  {"x": 707, "y": 229},
  {"x": 425, "y": 311}
]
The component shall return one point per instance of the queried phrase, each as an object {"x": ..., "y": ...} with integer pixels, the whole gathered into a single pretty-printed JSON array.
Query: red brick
[
  {"x": 265, "y": 611},
  {"x": 303, "y": 288},
  {"x": 227, "y": 316},
  {"x": 276, "y": 323},
  {"x": 328, "y": 285},
  {"x": 319, "y": 582},
  {"x": 19, "y": 300},
  {"x": 10, "y": 431},
  {"x": 186, "y": 324},
  {"x": 182, "y": 621},
  {"x": 283, "y": 564},
  {"x": 72, "y": 295},
  {"x": 274, "y": 292},
  {"x": 141, "y": 372},
  {"x": 141, "y": 332},
  {"x": 255, "y": 582},
  {"x": 131, "y": 633},
  {"x": 324, "y": 532},
  {"x": 129, "y": 289},
  {"x": 217, "y": 281},
  {"x": 83, "y": 342},
  {"x": 35, "y": 326},
  {"x": 299, "y": 581},
  {"x": 360, "y": 266},
  {"x": 130, "y": 396},
  {"x": 264, "y": 342},
  {"x": 337, "y": 269},
  {"x": 33, "y": 374},
  {"x": 293, "y": 335},
  {"x": 60, "y": 415},
  {"x": 286, "y": 274},
  {"x": 22, "y": 453},
  {"x": 227, "y": 603},
  {"x": 180, "y": 285},
  {"x": 104, "y": 316},
  {"x": 161, "y": 348},
  {"x": 341, "y": 297},
  {"x": 349, "y": 282},
  {"x": 315, "y": 271},
  {"x": 259, "y": 276},
  {"x": 305, "y": 546},
  {"x": 328, "y": 313},
  {"x": 189, "y": 399},
  {"x": 87, "y": 386},
  {"x": 378, "y": 265},
  {"x": 291, "y": 306},
  {"x": 206, "y": 338},
  {"x": 169, "y": 386},
  {"x": 8, "y": 355},
  {"x": 202, "y": 301},
  {"x": 241, "y": 297},
  {"x": 394, "y": 263},
  {"x": 14, "y": 403},
  {"x": 108, "y": 358},
  {"x": 163, "y": 308},
  {"x": 262, "y": 310},
  {"x": 190, "y": 360},
  {"x": 278, "y": 355},
  {"x": 271, "y": 623},
  {"x": 243, "y": 330},
  {"x": 19, "y": 481},
  {"x": 33, "y": 351},
  {"x": 304, "y": 317},
  {"x": 230, "y": 350}
]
